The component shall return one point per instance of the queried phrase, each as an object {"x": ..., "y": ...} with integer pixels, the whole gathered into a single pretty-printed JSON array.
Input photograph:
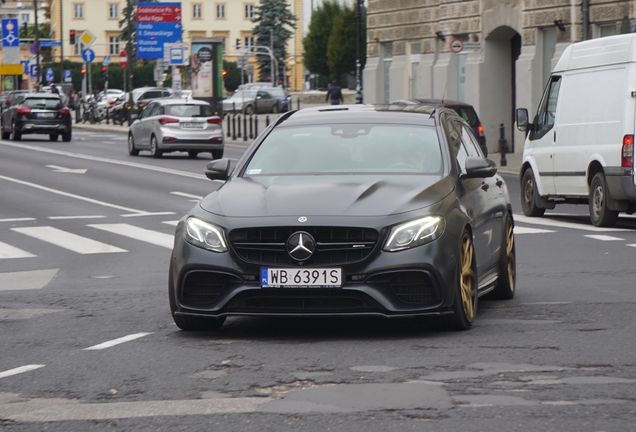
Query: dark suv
[
  {"x": 36, "y": 113},
  {"x": 466, "y": 111}
]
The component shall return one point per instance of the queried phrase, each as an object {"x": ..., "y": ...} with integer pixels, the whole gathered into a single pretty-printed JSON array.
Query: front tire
[
  {"x": 5, "y": 135},
  {"x": 600, "y": 215},
  {"x": 154, "y": 149},
  {"x": 249, "y": 110},
  {"x": 275, "y": 109},
  {"x": 465, "y": 293},
  {"x": 529, "y": 195},
  {"x": 132, "y": 151},
  {"x": 507, "y": 281}
]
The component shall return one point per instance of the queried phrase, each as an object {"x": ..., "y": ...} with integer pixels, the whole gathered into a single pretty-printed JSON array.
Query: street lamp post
[{"x": 358, "y": 48}]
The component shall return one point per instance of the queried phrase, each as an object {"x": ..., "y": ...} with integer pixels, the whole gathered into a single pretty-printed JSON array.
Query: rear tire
[
  {"x": 66, "y": 137},
  {"x": 275, "y": 109},
  {"x": 507, "y": 281},
  {"x": 53, "y": 137},
  {"x": 249, "y": 110},
  {"x": 15, "y": 135},
  {"x": 600, "y": 215},
  {"x": 5, "y": 135},
  {"x": 154, "y": 150},
  {"x": 193, "y": 154},
  {"x": 465, "y": 292},
  {"x": 131, "y": 146},
  {"x": 529, "y": 195},
  {"x": 217, "y": 154}
]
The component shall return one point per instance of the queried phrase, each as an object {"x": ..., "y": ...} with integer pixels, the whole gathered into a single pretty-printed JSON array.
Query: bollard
[
  {"x": 251, "y": 130},
  {"x": 502, "y": 145},
  {"x": 298, "y": 103},
  {"x": 77, "y": 114},
  {"x": 266, "y": 121},
  {"x": 108, "y": 115},
  {"x": 229, "y": 131},
  {"x": 256, "y": 126},
  {"x": 244, "y": 128},
  {"x": 234, "y": 126},
  {"x": 238, "y": 133}
]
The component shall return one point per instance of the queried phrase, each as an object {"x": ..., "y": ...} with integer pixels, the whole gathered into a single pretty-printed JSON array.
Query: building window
[
  {"x": 608, "y": 30},
  {"x": 78, "y": 47},
  {"x": 24, "y": 18},
  {"x": 78, "y": 11},
  {"x": 388, "y": 58},
  {"x": 223, "y": 44},
  {"x": 249, "y": 11},
  {"x": 113, "y": 45},
  {"x": 220, "y": 11},
  {"x": 248, "y": 41},
  {"x": 196, "y": 10},
  {"x": 113, "y": 11}
]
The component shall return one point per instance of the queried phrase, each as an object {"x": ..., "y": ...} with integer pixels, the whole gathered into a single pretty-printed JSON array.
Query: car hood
[{"x": 324, "y": 196}]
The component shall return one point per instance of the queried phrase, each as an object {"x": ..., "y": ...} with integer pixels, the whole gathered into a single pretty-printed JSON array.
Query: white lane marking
[
  {"x": 187, "y": 195},
  {"x": 148, "y": 214},
  {"x": 60, "y": 169},
  {"x": 76, "y": 217},
  {"x": 118, "y": 341},
  {"x": 7, "y": 252},
  {"x": 172, "y": 223},
  {"x": 70, "y": 195},
  {"x": 67, "y": 240},
  {"x": 17, "y": 220},
  {"x": 603, "y": 237},
  {"x": 545, "y": 221},
  {"x": 20, "y": 370},
  {"x": 632, "y": 245},
  {"x": 527, "y": 230},
  {"x": 142, "y": 234},
  {"x": 26, "y": 280},
  {"x": 106, "y": 160}
]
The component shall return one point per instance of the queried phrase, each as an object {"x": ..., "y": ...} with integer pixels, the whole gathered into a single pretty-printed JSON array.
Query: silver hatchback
[{"x": 169, "y": 125}]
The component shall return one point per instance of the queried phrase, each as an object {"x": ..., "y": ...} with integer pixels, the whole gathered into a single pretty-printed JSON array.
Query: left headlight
[
  {"x": 205, "y": 235},
  {"x": 415, "y": 233}
]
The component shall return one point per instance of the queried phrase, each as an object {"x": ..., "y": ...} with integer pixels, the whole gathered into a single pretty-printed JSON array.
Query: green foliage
[
  {"x": 128, "y": 33},
  {"x": 317, "y": 39},
  {"x": 341, "y": 48},
  {"x": 272, "y": 15},
  {"x": 233, "y": 78}
]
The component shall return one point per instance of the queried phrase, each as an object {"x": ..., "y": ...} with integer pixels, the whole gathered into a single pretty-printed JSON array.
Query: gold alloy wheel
[
  {"x": 467, "y": 279},
  {"x": 510, "y": 252}
]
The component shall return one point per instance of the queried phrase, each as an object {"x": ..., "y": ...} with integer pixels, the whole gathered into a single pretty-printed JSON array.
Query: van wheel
[
  {"x": 600, "y": 215},
  {"x": 529, "y": 195}
]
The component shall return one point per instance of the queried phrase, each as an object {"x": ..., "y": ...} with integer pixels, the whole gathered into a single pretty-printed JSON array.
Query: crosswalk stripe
[
  {"x": 171, "y": 223},
  {"x": 142, "y": 234},
  {"x": 67, "y": 240},
  {"x": 603, "y": 237},
  {"x": 527, "y": 230},
  {"x": 546, "y": 221},
  {"x": 7, "y": 251},
  {"x": 20, "y": 370},
  {"x": 117, "y": 341}
]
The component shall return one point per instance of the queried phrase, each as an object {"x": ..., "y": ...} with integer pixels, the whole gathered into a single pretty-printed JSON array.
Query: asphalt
[{"x": 511, "y": 164}]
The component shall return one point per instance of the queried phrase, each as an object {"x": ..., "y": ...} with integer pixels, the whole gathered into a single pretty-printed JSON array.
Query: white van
[{"x": 579, "y": 148}]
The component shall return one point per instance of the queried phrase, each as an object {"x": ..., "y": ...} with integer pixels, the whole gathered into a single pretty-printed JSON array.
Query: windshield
[
  {"x": 136, "y": 94},
  {"x": 276, "y": 92},
  {"x": 245, "y": 94},
  {"x": 347, "y": 148},
  {"x": 467, "y": 114},
  {"x": 48, "y": 103},
  {"x": 186, "y": 110}
]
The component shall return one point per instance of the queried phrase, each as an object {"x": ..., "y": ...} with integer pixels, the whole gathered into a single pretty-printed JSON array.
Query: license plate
[
  {"x": 301, "y": 277},
  {"x": 46, "y": 115},
  {"x": 192, "y": 125}
]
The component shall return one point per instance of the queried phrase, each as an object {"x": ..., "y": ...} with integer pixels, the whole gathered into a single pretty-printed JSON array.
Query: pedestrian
[
  {"x": 54, "y": 89},
  {"x": 334, "y": 94}
]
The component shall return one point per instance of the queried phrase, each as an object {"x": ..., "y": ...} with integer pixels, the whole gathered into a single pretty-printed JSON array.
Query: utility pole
[
  {"x": 36, "y": 42},
  {"x": 358, "y": 49},
  {"x": 585, "y": 8},
  {"x": 61, "y": 42},
  {"x": 271, "y": 41},
  {"x": 129, "y": 62}
]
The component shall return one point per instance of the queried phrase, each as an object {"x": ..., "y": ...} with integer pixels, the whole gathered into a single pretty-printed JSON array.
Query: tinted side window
[
  {"x": 547, "y": 109},
  {"x": 469, "y": 140}
]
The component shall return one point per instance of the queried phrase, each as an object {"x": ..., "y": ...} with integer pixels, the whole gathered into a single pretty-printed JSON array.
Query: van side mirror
[
  {"x": 218, "y": 169},
  {"x": 521, "y": 116}
]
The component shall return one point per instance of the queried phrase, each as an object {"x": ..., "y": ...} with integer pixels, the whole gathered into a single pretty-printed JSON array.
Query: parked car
[
  {"x": 278, "y": 92},
  {"x": 355, "y": 210},
  {"x": 144, "y": 95},
  {"x": 36, "y": 113},
  {"x": 61, "y": 92},
  {"x": 12, "y": 95},
  {"x": 170, "y": 125},
  {"x": 466, "y": 111},
  {"x": 253, "y": 101}
]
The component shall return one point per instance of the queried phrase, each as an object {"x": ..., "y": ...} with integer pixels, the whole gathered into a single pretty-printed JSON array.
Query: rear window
[
  {"x": 48, "y": 103},
  {"x": 187, "y": 110},
  {"x": 468, "y": 114}
]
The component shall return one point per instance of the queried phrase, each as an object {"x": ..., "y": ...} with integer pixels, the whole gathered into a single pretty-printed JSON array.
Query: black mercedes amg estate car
[{"x": 356, "y": 210}]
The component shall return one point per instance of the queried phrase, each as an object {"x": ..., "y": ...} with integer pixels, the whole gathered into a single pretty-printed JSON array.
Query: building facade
[
  {"x": 494, "y": 54},
  {"x": 227, "y": 19}
]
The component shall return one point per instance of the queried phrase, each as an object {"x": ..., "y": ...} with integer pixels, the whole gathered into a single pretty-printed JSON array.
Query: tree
[
  {"x": 315, "y": 43},
  {"x": 128, "y": 26},
  {"x": 341, "y": 48},
  {"x": 233, "y": 78},
  {"x": 272, "y": 18}
]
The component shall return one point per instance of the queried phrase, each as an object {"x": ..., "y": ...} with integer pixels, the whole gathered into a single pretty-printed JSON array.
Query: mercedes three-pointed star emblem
[{"x": 301, "y": 246}]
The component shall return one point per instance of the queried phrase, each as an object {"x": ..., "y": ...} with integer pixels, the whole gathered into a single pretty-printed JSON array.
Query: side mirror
[
  {"x": 477, "y": 167},
  {"x": 521, "y": 116},
  {"x": 218, "y": 169}
]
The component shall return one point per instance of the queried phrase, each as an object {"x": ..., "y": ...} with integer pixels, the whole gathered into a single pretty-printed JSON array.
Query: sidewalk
[{"x": 513, "y": 160}]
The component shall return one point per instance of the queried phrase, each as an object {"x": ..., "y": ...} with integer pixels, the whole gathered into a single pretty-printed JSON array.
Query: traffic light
[
  {"x": 105, "y": 73},
  {"x": 238, "y": 43},
  {"x": 26, "y": 29},
  {"x": 224, "y": 73},
  {"x": 71, "y": 37},
  {"x": 83, "y": 71}
]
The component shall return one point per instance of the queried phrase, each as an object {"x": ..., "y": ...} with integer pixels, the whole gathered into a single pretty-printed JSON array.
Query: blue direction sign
[
  {"x": 25, "y": 65},
  {"x": 88, "y": 55},
  {"x": 49, "y": 75},
  {"x": 10, "y": 35},
  {"x": 50, "y": 43},
  {"x": 152, "y": 36},
  {"x": 68, "y": 76},
  {"x": 106, "y": 60},
  {"x": 34, "y": 70}
]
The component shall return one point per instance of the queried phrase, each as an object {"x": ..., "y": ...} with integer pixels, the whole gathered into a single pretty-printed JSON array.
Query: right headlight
[
  {"x": 415, "y": 233},
  {"x": 205, "y": 235}
]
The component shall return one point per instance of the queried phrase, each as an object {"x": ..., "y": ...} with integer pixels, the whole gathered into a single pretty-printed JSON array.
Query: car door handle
[{"x": 484, "y": 185}]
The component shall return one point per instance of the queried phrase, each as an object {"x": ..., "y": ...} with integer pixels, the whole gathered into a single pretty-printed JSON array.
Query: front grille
[
  {"x": 299, "y": 300},
  {"x": 334, "y": 245},
  {"x": 413, "y": 287},
  {"x": 203, "y": 288}
]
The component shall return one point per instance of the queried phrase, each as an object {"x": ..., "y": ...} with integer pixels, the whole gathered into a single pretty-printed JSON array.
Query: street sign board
[
  {"x": 242, "y": 62},
  {"x": 123, "y": 59},
  {"x": 157, "y": 24},
  {"x": 87, "y": 38},
  {"x": 25, "y": 65},
  {"x": 10, "y": 35},
  {"x": 50, "y": 43},
  {"x": 472, "y": 46},
  {"x": 106, "y": 60},
  {"x": 68, "y": 75},
  {"x": 88, "y": 55},
  {"x": 49, "y": 75},
  {"x": 249, "y": 70},
  {"x": 174, "y": 53},
  {"x": 456, "y": 46},
  {"x": 34, "y": 70}
]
